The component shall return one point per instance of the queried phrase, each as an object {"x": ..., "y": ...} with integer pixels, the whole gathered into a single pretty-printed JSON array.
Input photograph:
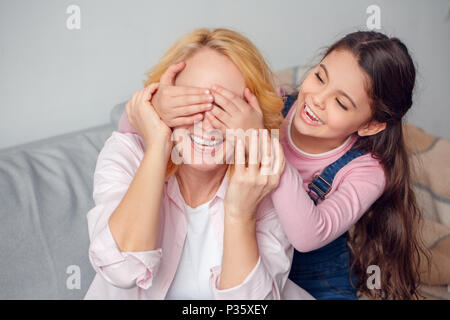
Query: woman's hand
[
  {"x": 177, "y": 105},
  {"x": 233, "y": 112},
  {"x": 144, "y": 119},
  {"x": 247, "y": 187},
  {"x": 250, "y": 184}
]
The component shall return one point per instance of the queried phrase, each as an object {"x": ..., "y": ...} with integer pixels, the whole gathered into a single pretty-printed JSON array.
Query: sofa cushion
[{"x": 45, "y": 193}]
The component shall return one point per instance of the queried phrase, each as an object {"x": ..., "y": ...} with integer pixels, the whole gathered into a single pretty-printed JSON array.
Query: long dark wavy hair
[{"x": 388, "y": 234}]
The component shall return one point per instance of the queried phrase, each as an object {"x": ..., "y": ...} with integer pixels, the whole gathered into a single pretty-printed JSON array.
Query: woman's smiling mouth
[{"x": 205, "y": 144}]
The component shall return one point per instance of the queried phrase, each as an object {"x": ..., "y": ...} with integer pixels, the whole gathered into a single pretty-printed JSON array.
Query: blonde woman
[{"x": 196, "y": 230}]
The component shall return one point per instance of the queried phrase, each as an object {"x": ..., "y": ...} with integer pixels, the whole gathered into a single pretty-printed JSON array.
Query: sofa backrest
[{"x": 45, "y": 194}]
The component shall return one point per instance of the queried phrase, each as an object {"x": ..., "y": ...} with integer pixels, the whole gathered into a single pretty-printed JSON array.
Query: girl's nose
[{"x": 318, "y": 100}]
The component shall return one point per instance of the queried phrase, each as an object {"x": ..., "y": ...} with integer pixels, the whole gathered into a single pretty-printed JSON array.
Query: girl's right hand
[
  {"x": 144, "y": 119},
  {"x": 178, "y": 105}
]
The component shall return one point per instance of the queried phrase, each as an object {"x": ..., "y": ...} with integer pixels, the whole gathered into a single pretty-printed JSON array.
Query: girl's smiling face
[{"x": 333, "y": 102}]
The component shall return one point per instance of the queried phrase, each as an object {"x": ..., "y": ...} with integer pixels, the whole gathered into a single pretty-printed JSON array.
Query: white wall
[{"x": 54, "y": 80}]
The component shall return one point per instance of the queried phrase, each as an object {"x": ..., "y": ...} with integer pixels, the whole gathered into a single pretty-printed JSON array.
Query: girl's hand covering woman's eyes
[
  {"x": 144, "y": 119},
  {"x": 232, "y": 112},
  {"x": 178, "y": 105},
  {"x": 255, "y": 175}
]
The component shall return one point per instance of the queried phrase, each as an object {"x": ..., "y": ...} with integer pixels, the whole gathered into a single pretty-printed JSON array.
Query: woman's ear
[{"x": 371, "y": 128}]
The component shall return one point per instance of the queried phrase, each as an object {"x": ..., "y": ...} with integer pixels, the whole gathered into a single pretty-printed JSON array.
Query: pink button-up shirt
[{"x": 149, "y": 274}]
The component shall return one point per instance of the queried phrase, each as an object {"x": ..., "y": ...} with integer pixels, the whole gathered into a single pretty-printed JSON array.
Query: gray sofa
[{"x": 45, "y": 194}]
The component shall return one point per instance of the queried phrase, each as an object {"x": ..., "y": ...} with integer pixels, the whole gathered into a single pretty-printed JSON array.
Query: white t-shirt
[{"x": 201, "y": 252}]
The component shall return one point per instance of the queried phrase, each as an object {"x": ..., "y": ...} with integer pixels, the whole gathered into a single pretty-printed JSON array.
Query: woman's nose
[
  {"x": 206, "y": 124},
  {"x": 209, "y": 129}
]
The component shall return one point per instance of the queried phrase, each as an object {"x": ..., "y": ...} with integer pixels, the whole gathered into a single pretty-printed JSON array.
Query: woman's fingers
[
  {"x": 265, "y": 162},
  {"x": 168, "y": 77},
  {"x": 148, "y": 91},
  {"x": 266, "y": 152},
  {"x": 280, "y": 160},
  {"x": 143, "y": 118},
  {"x": 144, "y": 95},
  {"x": 253, "y": 153},
  {"x": 239, "y": 156},
  {"x": 278, "y": 164}
]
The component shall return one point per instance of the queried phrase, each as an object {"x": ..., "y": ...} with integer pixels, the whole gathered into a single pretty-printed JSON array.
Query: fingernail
[
  {"x": 207, "y": 91},
  {"x": 215, "y": 88}
]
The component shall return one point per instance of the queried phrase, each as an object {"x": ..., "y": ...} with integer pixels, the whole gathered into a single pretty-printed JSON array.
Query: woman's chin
[
  {"x": 204, "y": 167},
  {"x": 204, "y": 159}
]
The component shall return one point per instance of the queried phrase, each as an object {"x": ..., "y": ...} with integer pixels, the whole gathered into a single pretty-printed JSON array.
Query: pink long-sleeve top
[
  {"x": 148, "y": 275},
  {"x": 355, "y": 188}
]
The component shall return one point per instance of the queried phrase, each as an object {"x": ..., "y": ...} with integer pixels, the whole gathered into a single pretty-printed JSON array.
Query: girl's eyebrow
[{"x": 339, "y": 91}]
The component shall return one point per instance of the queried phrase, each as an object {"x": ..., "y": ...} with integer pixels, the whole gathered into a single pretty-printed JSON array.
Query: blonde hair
[{"x": 257, "y": 75}]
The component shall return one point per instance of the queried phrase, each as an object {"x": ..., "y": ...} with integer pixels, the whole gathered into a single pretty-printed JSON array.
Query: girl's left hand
[
  {"x": 232, "y": 112},
  {"x": 250, "y": 184}
]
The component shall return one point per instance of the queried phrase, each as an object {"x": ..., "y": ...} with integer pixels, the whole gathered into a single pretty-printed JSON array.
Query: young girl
[{"x": 347, "y": 168}]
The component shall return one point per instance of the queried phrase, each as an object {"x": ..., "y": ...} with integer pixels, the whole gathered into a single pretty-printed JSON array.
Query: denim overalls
[{"x": 324, "y": 272}]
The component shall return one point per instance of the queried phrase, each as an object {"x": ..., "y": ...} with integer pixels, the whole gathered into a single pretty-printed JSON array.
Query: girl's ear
[{"x": 371, "y": 128}]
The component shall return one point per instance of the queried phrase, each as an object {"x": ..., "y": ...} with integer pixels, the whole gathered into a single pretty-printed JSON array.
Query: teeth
[
  {"x": 206, "y": 144},
  {"x": 311, "y": 113}
]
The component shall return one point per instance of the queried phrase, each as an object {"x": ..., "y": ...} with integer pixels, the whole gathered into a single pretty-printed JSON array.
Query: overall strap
[
  {"x": 288, "y": 102},
  {"x": 322, "y": 183}
]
